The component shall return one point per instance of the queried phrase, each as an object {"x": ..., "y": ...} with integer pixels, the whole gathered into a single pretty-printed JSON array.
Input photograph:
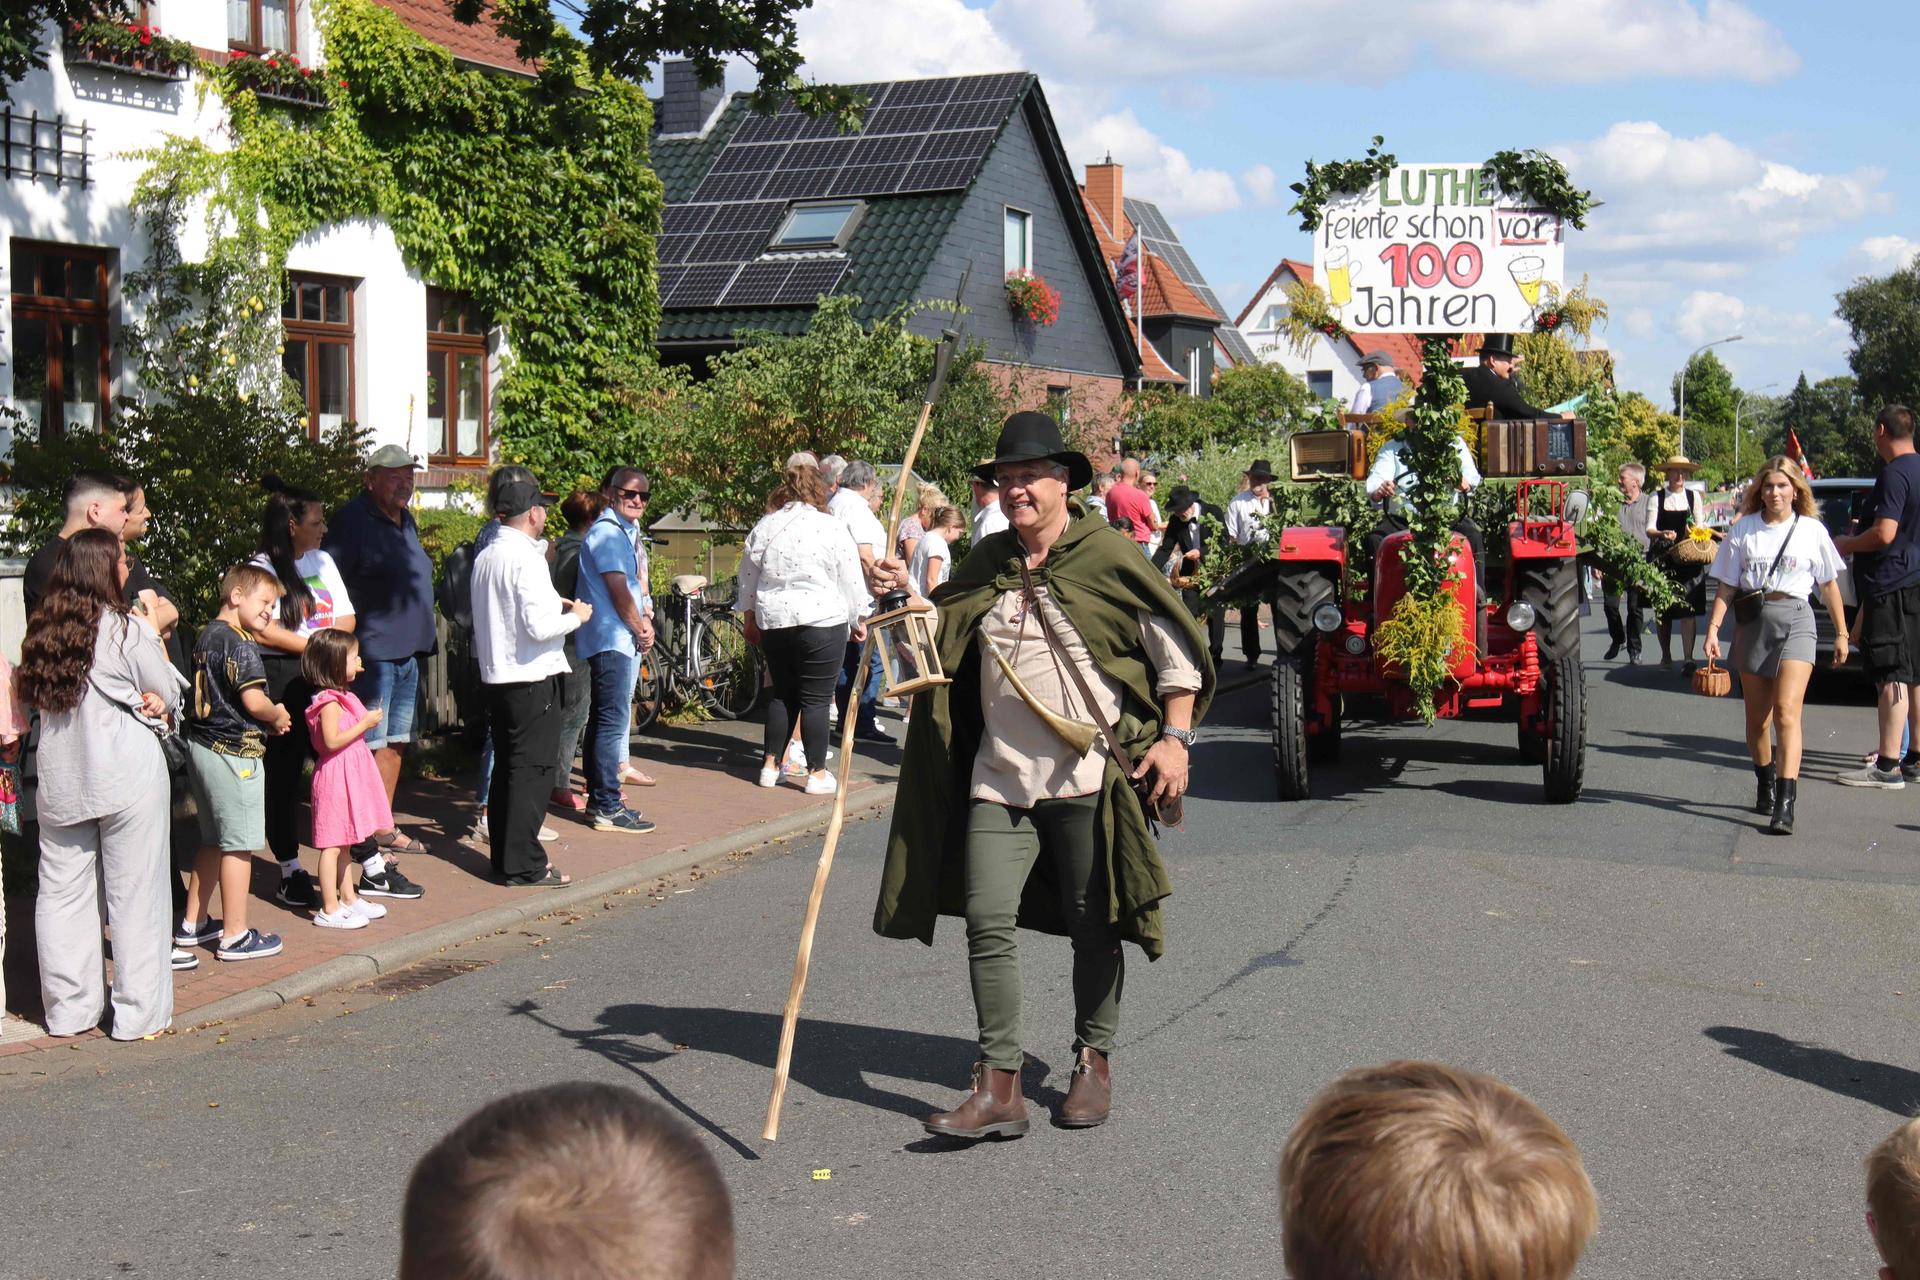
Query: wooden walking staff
[{"x": 942, "y": 362}]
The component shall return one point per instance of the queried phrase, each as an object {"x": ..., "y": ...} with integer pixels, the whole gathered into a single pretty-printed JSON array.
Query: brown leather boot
[
  {"x": 1090, "y": 1096},
  {"x": 995, "y": 1109}
]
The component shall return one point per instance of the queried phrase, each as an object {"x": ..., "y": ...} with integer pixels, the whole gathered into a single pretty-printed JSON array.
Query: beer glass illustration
[
  {"x": 1339, "y": 277},
  {"x": 1526, "y": 272}
]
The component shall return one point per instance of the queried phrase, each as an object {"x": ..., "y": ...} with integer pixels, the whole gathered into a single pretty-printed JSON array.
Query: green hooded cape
[{"x": 1099, "y": 579}]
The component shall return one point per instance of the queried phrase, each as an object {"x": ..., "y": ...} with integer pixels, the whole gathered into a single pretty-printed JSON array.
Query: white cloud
[
  {"x": 1262, "y": 184},
  {"x": 1705, "y": 207},
  {"x": 1155, "y": 170},
  {"x": 1888, "y": 253},
  {"x": 851, "y": 41},
  {"x": 1705, "y": 316},
  {"x": 1534, "y": 40}
]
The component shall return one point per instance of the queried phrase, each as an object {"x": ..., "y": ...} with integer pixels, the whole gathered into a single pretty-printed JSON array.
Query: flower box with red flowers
[
  {"x": 131, "y": 48},
  {"x": 279, "y": 77},
  {"x": 1032, "y": 298}
]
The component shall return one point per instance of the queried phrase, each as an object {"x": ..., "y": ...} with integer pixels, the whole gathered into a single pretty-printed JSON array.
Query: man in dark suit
[
  {"x": 1188, "y": 539},
  {"x": 1491, "y": 382}
]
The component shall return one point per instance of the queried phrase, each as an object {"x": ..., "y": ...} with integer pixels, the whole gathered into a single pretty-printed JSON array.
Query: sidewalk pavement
[{"x": 706, "y": 804}]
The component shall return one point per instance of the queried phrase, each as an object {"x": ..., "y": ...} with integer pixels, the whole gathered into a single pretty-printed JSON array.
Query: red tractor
[{"x": 1522, "y": 662}]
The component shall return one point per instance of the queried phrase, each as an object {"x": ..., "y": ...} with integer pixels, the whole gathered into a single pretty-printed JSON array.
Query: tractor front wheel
[
  {"x": 1292, "y": 686},
  {"x": 1564, "y": 687}
]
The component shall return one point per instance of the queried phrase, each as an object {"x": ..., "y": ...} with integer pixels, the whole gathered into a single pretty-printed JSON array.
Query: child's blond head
[
  {"x": 569, "y": 1182},
  {"x": 1416, "y": 1169},
  {"x": 1893, "y": 1197}
]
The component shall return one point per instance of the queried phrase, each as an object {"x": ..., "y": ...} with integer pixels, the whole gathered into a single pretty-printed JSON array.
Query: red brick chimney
[{"x": 1103, "y": 193}]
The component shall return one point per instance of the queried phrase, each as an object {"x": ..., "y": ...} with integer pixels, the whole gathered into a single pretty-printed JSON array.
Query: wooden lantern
[{"x": 904, "y": 630}]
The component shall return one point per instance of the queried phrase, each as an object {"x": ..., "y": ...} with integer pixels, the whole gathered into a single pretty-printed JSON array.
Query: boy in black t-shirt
[{"x": 228, "y": 744}]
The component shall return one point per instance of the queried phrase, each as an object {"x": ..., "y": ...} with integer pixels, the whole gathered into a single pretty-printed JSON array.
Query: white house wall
[
  {"x": 129, "y": 114},
  {"x": 1334, "y": 357}
]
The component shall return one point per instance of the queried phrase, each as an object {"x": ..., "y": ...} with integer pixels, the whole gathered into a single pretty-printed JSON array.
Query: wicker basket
[
  {"x": 1687, "y": 551},
  {"x": 1712, "y": 681}
]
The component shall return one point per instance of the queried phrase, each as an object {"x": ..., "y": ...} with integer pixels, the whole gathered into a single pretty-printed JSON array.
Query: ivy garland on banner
[
  {"x": 533, "y": 196},
  {"x": 1533, "y": 176}
]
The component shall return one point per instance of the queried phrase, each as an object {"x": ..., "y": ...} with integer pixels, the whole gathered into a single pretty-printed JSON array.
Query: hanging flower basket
[
  {"x": 1032, "y": 298},
  {"x": 129, "y": 47},
  {"x": 279, "y": 77}
]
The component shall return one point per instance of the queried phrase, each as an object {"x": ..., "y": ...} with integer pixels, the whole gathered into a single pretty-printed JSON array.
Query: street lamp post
[
  {"x": 1737, "y": 406},
  {"x": 1717, "y": 342}
]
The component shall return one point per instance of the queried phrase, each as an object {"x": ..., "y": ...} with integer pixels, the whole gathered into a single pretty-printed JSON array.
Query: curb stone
[{"x": 395, "y": 953}]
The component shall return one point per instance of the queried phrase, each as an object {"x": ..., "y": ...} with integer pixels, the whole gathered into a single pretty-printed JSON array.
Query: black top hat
[
  {"x": 1497, "y": 344},
  {"x": 1031, "y": 435},
  {"x": 1260, "y": 472},
  {"x": 1180, "y": 499}
]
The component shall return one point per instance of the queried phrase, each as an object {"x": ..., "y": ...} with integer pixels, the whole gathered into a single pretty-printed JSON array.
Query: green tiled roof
[
  {"x": 682, "y": 162},
  {"x": 890, "y": 253}
]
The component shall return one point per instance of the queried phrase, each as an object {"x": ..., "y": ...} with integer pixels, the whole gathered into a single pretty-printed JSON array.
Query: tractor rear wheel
[
  {"x": 1553, "y": 589},
  {"x": 1292, "y": 686},
  {"x": 1564, "y": 687}
]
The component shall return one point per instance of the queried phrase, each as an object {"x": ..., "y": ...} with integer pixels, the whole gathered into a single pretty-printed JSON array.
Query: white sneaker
[
  {"x": 366, "y": 909},
  {"x": 822, "y": 785},
  {"x": 770, "y": 776},
  {"x": 548, "y": 833},
  {"x": 480, "y": 831},
  {"x": 795, "y": 764},
  {"x": 345, "y": 918}
]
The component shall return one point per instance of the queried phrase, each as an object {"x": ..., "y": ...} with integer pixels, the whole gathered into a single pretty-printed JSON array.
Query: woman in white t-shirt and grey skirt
[{"x": 1779, "y": 549}]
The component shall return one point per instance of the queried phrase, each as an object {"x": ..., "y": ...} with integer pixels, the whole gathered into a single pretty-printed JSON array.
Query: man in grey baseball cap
[{"x": 1382, "y": 386}]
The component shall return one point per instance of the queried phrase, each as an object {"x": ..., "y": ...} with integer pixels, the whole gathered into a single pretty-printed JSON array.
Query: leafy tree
[
  {"x": 1833, "y": 423},
  {"x": 1884, "y": 317},
  {"x": 1628, "y": 427},
  {"x": 24, "y": 24},
  {"x": 837, "y": 388},
  {"x": 1249, "y": 403},
  {"x": 1710, "y": 398},
  {"x": 627, "y": 36}
]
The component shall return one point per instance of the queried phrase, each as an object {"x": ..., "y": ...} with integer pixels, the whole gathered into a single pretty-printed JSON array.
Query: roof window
[{"x": 826, "y": 225}]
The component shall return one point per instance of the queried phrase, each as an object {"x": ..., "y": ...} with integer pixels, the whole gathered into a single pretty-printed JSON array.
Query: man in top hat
[
  {"x": 1382, "y": 386},
  {"x": 1491, "y": 382},
  {"x": 1246, "y": 513},
  {"x": 1005, "y": 824},
  {"x": 1183, "y": 547}
]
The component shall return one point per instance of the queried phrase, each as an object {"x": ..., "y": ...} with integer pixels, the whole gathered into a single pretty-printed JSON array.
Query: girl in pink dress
[{"x": 349, "y": 802}]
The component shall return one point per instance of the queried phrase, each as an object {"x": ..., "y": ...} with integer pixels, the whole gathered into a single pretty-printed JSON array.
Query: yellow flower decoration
[{"x": 1699, "y": 533}]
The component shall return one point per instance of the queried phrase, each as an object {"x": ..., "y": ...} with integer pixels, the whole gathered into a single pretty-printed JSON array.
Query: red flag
[{"x": 1798, "y": 454}]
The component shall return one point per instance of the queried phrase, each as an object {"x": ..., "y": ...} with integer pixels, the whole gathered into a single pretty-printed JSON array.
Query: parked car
[{"x": 1843, "y": 509}]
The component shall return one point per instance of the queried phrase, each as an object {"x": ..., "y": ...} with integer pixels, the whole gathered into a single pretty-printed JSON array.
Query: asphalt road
[{"x": 1722, "y": 1020}]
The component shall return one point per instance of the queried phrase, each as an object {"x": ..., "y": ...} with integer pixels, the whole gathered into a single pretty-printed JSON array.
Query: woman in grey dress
[{"x": 98, "y": 676}]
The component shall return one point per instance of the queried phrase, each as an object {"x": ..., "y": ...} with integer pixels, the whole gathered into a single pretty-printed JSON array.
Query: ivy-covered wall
[{"x": 533, "y": 195}]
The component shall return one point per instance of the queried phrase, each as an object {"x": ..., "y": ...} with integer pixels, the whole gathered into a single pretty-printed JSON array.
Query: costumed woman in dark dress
[{"x": 1674, "y": 511}]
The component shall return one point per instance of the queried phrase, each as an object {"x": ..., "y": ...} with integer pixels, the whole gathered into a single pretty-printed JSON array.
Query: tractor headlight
[
  {"x": 1521, "y": 616},
  {"x": 1328, "y": 617},
  {"x": 1356, "y": 645}
]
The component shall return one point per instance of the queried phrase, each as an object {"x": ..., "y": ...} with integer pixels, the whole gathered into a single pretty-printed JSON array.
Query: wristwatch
[{"x": 1185, "y": 737}]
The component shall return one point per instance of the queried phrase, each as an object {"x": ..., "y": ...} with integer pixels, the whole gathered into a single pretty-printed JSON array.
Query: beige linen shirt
[{"x": 1021, "y": 760}]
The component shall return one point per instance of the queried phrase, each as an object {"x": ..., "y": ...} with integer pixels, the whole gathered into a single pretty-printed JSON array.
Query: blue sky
[{"x": 1753, "y": 157}]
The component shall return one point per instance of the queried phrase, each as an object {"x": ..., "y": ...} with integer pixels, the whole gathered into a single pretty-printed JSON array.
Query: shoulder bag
[
  {"x": 1748, "y": 604},
  {"x": 1167, "y": 812}
]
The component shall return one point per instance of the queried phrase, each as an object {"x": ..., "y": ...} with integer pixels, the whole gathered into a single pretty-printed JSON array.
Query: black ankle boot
[
  {"x": 1764, "y": 778},
  {"x": 1784, "y": 794}
]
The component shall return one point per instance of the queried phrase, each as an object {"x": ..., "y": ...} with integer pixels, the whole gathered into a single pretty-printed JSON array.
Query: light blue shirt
[
  {"x": 1392, "y": 464},
  {"x": 612, "y": 546}
]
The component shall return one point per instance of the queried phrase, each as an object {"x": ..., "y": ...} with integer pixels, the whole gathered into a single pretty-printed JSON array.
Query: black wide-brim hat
[
  {"x": 1029, "y": 436},
  {"x": 1260, "y": 472}
]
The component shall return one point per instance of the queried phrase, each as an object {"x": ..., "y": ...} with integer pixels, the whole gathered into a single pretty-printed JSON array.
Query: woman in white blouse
[
  {"x": 1670, "y": 515},
  {"x": 802, "y": 592},
  {"x": 1780, "y": 549}
]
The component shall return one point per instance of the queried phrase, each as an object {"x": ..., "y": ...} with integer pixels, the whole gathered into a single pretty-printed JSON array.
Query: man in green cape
[{"x": 998, "y": 819}]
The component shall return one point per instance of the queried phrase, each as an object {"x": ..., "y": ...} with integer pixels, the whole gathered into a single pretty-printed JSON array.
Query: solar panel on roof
[
  {"x": 673, "y": 248},
  {"x": 969, "y": 144},
  {"x": 819, "y": 155},
  {"x": 811, "y": 279},
  {"x": 734, "y": 246},
  {"x": 669, "y": 278},
  {"x": 758, "y": 284},
  {"x": 757, "y": 216},
  {"x": 722, "y": 188},
  {"x": 971, "y": 115},
  {"x": 894, "y": 150},
  {"x": 760, "y": 158},
  {"x": 702, "y": 286},
  {"x": 867, "y": 179},
  {"x": 686, "y": 218},
  {"x": 800, "y": 184},
  {"x": 902, "y": 120},
  {"x": 941, "y": 175},
  {"x": 920, "y": 93}
]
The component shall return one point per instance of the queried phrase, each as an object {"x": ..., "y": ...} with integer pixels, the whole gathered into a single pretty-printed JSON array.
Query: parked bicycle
[{"x": 700, "y": 652}]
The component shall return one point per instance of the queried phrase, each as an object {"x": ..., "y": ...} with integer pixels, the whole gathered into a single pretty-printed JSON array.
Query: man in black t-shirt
[{"x": 1886, "y": 576}]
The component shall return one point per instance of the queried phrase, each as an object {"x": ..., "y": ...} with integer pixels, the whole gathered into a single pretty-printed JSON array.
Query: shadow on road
[
  {"x": 829, "y": 1058},
  {"x": 1888, "y": 1087}
]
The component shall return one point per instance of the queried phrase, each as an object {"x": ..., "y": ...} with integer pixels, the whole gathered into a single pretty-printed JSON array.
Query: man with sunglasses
[{"x": 613, "y": 579}]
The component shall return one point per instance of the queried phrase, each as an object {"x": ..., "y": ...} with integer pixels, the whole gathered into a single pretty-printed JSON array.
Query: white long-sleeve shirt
[
  {"x": 520, "y": 626},
  {"x": 1392, "y": 464},
  {"x": 1244, "y": 513},
  {"x": 801, "y": 569}
]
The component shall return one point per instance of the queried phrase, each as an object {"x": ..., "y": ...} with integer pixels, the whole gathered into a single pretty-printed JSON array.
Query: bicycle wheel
[
  {"x": 727, "y": 667},
  {"x": 647, "y": 691}
]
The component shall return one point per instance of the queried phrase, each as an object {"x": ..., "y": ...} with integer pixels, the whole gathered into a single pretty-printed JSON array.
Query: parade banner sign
[{"x": 1436, "y": 248}]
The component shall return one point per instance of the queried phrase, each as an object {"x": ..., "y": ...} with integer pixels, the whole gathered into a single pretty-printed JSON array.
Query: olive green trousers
[{"x": 1003, "y": 845}]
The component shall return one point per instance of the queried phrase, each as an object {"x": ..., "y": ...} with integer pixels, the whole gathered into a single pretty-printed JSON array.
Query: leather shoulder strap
[{"x": 1118, "y": 752}]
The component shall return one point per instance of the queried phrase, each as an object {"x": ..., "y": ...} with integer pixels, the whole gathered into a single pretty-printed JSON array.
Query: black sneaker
[
  {"x": 389, "y": 884},
  {"x": 297, "y": 891}
]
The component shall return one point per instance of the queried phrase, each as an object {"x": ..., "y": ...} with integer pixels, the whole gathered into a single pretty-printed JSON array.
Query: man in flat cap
[{"x": 1382, "y": 386}]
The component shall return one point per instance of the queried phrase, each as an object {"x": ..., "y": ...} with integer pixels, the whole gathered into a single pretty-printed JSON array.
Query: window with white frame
[
  {"x": 819, "y": 226},
  {"x": 1193, "y": 372},
  {"x": 1019, "y": 240}
]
